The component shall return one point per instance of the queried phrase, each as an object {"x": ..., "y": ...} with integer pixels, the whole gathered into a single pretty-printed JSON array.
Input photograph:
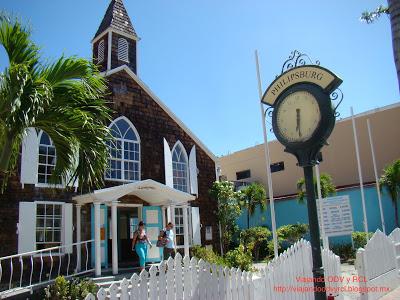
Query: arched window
[
  {"x": 47, "y": 158},
  {"x": 124, "y": 161},
  {"x": 100, "y": 51},
  {"x": 180, "y": 168},
  {"x": 123, "y": 50}
]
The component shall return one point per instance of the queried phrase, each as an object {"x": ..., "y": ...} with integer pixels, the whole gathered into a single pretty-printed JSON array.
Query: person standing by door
[
  {"x": 139, "y": 244},
  {"x": 169, "y": 249}
]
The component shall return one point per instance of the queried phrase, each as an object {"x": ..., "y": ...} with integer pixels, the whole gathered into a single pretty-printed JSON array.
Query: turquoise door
[
  {"x": 103, "y": 234},
  {"x": 152, "y": 217}
]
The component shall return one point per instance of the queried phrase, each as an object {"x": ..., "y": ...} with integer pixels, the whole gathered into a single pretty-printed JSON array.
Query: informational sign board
[{"x": 337, "y": 216}]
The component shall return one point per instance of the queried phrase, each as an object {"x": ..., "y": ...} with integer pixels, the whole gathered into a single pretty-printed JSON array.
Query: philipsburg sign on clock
[{"x": 303, "y": 117}]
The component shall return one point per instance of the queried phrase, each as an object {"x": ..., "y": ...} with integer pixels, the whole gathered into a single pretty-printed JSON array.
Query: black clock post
[
  {"x": 303, "y": 117},
  {"x": 318, "y": 270}
]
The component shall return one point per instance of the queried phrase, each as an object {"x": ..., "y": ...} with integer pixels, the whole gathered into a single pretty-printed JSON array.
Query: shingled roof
[{"x": 117, "y": 18}]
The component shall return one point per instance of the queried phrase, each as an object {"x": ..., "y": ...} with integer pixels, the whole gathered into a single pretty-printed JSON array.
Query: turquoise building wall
[{"x": 288, "y": 211}]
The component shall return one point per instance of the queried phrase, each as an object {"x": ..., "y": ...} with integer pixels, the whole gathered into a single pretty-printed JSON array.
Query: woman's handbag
[{"x": 161, "y": 241}]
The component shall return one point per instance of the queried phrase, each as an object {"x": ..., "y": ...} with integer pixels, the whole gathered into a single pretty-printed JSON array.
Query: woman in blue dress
[{"x": 139, "y": 244}]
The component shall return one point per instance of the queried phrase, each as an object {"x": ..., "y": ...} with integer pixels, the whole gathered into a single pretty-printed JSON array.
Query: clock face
[{"x": 298, "y": 116}]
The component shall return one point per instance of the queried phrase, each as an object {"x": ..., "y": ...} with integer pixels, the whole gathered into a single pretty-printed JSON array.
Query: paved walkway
[
  {"x": 348, "y": 271},
  {"x": 394, "y": 295}
]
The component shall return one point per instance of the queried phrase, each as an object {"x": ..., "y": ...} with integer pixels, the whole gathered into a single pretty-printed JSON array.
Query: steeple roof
[{"x": 117, "y": 18}]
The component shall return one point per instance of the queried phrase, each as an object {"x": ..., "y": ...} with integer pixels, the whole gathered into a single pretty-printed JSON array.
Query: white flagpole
[
  {"x": 376, "y": 176},
  {"x": 267, "y": 159},
  {"x": 325, "y": 240},
  {"x": 365, "y": 221}
]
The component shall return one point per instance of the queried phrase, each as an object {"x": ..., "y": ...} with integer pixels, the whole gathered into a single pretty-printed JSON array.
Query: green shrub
[
  {"x": 270, "y": 247},
  {"x": 62, "y": 289},
  {"x": 239, "y": 258},
  {"x": 253, "y": 238},
  {"x": 344, "y": 251},
  {"x": 360, "y": 238},
  {"x": 207, "y": 255},
  {"x": 287, "y": 235},
  {"x": 291, "y": 233}
]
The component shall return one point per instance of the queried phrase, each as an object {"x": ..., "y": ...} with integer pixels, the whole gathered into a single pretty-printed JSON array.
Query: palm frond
[
  {"x": 327, "y": 187},
  {"x": 65, "y": 99},
  {"x": 15, "y": 38},
  {"x": 390, "y": 179}
]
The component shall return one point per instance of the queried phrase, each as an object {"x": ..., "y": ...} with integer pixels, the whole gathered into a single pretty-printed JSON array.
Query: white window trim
[
  {"x": 189, "y": 227},
  {"x": 122, "y": 49},
  {"x": 42, "y": 184},
  {"x": 100, "y": 58},
  {"x": 122, "y": 160},
  {"x": 179, "y": 144},
  {"x": 176, "y": 215},
  {"x": 49, "y": 185},
  {"x": 62, "y": 228},
  {"x": 113, "y": 30}
]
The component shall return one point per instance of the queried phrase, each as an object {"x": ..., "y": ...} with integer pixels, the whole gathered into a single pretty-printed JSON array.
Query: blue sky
[{"x": 198, "y": 56}]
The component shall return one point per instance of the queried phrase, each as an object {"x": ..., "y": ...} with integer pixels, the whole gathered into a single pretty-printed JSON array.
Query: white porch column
[
  {"x": 169, "y": 214},
  {"x": 172, "y": 220},
  {"x": 164, "y": 221},
  {"x": 78, "y": 237},
  {"x": 185, "y": 230},
  {"x": 172, "y": 215},
  {"x": 114, "y": 237},
  {"x": 97, "y": 249}
]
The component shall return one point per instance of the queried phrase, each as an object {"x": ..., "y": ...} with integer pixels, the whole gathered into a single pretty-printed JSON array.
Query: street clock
[{"x": 303, "y": 117}]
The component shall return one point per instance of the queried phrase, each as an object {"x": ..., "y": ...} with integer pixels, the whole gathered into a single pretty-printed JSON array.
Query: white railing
[
  {"x": 193, "y": 279},
  {"x": 24, "y": 271},
  {"x": 376, "y": 264}
]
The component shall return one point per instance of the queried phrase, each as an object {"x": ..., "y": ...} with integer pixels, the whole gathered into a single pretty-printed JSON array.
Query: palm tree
[
  {"x": 392, "y": 9},
  {"x": 65, "y": 99},
  {"x": 252, "y": 196},
  {"x": 327, "y": 187},
  {"x": 390, "y": 180}
]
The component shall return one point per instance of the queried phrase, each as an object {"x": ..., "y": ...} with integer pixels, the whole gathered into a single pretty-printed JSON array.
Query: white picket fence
[
  {"x": 288, "y": 276},
  {"x": 395, "y": 236},
  {"x": 193, "y": 279},
  {"x": 181, "y": 279},
  {"x": 377, "y": 263}
]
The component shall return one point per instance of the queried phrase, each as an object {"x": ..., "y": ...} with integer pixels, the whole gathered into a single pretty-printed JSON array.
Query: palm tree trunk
[
  {"x": 6, "y": 153},
  {"x": 394, "y": 12},
  {"x": 248, "y": 219}
]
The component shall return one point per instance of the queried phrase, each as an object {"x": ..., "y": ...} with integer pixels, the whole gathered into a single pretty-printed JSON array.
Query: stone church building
[{"x": 158, "y": 171}]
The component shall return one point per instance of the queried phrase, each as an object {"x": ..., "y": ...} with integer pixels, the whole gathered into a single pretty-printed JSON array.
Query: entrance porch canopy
[{"x": 150, "y": 191}]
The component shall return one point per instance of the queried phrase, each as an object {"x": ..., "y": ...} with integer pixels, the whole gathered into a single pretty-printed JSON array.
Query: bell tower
[{"x": 114, "y": 43}]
